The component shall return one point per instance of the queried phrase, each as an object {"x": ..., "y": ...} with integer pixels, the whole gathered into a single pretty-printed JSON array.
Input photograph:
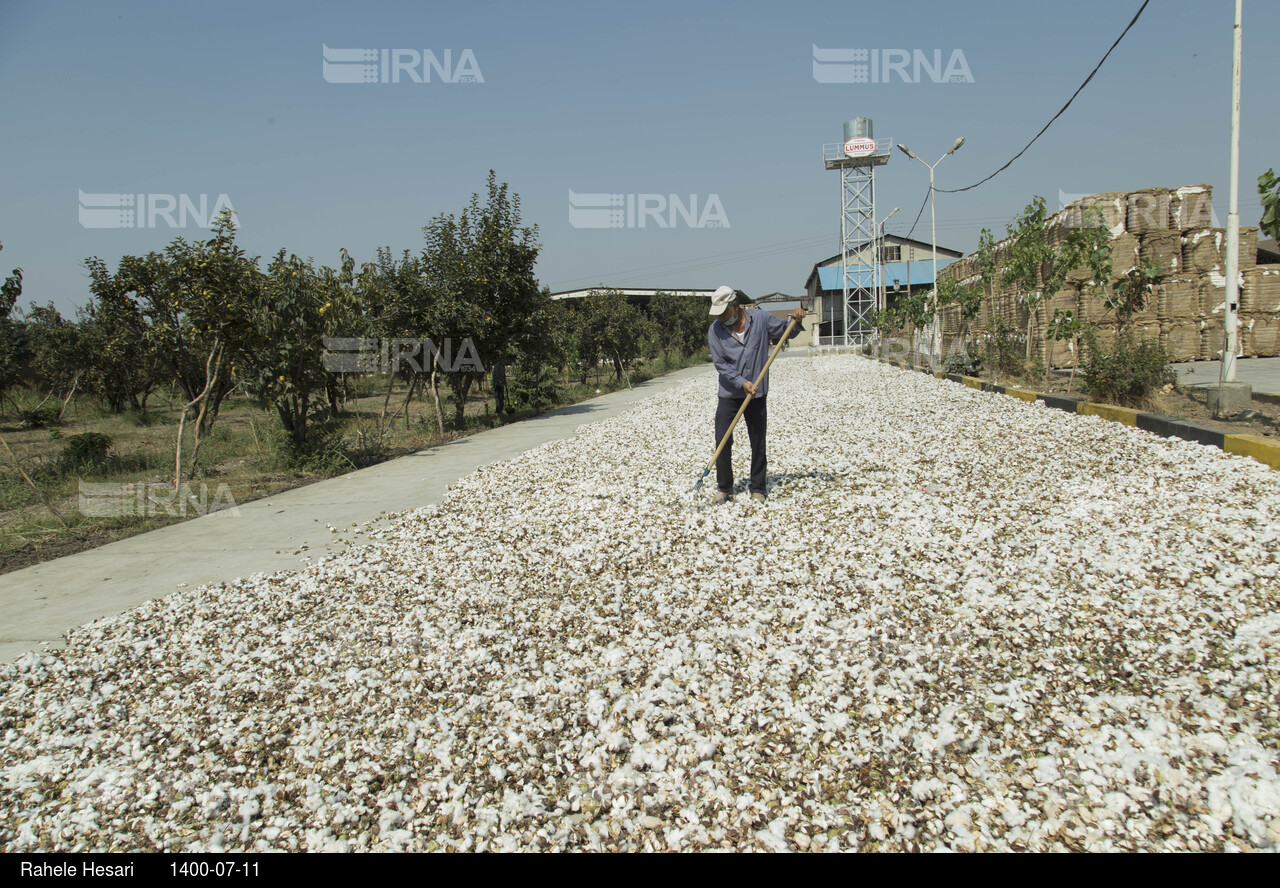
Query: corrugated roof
[{"x": 831, "y": 277}]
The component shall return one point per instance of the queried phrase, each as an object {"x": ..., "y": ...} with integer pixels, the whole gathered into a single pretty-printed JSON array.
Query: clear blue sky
[{"x": 658, "y": 98}]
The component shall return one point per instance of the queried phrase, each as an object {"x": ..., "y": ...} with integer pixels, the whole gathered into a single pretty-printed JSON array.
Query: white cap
[{"x": 721, "y": 300}]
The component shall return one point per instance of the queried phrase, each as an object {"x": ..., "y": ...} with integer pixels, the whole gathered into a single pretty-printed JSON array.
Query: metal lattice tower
[{"x": 856, "y": 158}]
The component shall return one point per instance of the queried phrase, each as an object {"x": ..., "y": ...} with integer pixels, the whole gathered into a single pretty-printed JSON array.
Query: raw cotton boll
[{"x": 960, "y": 621}]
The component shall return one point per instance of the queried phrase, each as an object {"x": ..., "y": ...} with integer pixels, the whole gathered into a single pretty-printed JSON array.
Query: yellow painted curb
[
  {"x": 1020, "y": 394},
  {"x": 1264, "y": 450},
  {"x": 1107, "y": 411},
  {"x": 971, "y": 382}
]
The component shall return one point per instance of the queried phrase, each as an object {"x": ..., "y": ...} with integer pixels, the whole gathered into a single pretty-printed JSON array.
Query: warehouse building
[{"x": 904, "y": 267}]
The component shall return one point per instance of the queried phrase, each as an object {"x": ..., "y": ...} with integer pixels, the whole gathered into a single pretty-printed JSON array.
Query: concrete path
[
  {"x": 42, "y": 602},
  {"x": 1261, "y": 373}
]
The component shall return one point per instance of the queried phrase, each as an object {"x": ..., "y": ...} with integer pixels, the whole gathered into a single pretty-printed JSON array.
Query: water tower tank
[{"x": 858, "y": 128}]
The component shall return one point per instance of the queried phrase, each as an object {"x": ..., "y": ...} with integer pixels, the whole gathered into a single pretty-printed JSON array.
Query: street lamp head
[
  {"x": 956, "y": 146},
  {"x": 907, "y": 151}
]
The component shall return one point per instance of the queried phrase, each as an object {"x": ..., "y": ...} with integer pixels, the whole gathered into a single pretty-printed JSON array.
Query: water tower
[{"x": 856, "y": 158}]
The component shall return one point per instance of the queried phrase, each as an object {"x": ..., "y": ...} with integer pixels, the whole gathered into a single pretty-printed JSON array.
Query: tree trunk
[
  {"x": 460, "y": 390},
  {"x": 1030, "y": 314},
  {"x": 622, "y": 371},
  {"x": 213, "y": 363},
  {"x": 386, "y": 401},
  {"x": 435, "y": 392},
  {"x": 300, "y": 427},
  {"x": 75, "y": 382},
  {"x": 413, "y": 384}
]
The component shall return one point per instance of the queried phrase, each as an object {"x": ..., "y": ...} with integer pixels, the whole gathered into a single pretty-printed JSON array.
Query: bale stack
[
  {"x": 1260, "y": 311},
  {"x": 1163, "y": 249},
  {"x": 1110, "y": 209},
  {"x": 1179, "y": 308},
  {"x": 1213, "y": 309},
  {"x": 1248, "y": 248},
  {"x": 950, "y": 316},
  {"x": 1066, "y": 299},
  {"x": 1191, "y": 207},
  {"x": 1148, "y": 210},
  {"x": 1178, "y": 299},
  {"x": 1126, "y": 253},
  {"x": 1204, "y": 250},
  {"x": 1172, "y": 228}
]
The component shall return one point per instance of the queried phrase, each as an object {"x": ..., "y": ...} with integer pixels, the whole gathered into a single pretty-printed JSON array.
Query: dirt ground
[
  {"x": 237, "y": 454},
  {"x": 1189, "y": 403}
]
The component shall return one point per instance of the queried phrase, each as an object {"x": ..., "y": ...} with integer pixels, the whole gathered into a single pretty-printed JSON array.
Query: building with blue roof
[{"x": 904, "y": 268}]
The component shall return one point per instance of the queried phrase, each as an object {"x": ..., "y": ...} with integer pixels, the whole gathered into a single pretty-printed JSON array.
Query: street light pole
[
  {"x": 1232, "y": 397},
  {"x": 1227, "y": 370},
  {"x": 937, "y": 309}
]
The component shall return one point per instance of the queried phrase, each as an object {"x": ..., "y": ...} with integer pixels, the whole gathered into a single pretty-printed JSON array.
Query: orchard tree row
[{"x": 208, "y": 320}]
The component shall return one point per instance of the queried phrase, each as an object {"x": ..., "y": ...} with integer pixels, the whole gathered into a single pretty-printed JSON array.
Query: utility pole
[
  {"x": 937, "y": 309},
  {"x": 1232, "y": 397}
]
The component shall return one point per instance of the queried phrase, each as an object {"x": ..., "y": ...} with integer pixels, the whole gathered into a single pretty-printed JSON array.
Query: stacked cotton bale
[
  {"x": 1105, "y": 337},
  {"x": 1172, "y": 229},
  {"x": 1179, "y": 310},
  {"x": 1260, "y": 311},
  {"x": 1126, "y": 253},
  {"x": 1147, "y": 210},
  {"x": 1110, "y": 209},
  {"x": 1248, "y": 248},
  {"x": 1163, "y": 249},
  {"x": 1065, "y": 300},
  {"x": 1204, "y": 250},
  {"x": 1260, "y": 294},
  {"x": 1213, "y": 309},
  {"x": 1263, "y": 336},
  {"x": 1191, "y": 207},
  {"x": 950, "y": 315},
  {"x": 1181, "y": 340},
  {"x": 1178, "y": 299},
  {"x": 1094, "y": 310}
]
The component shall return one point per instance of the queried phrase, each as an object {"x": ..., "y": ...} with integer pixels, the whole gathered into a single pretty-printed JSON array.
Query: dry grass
[{"x": 243, "y": 452}]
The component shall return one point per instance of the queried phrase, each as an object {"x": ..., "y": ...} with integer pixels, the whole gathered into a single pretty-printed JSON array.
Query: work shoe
[
  {"x": 720, "y": 496},
  {"x": 758, "y": 497}
]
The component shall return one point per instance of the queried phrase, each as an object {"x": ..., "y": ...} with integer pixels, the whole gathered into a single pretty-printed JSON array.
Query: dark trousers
[{"x": 755, "y": 420}]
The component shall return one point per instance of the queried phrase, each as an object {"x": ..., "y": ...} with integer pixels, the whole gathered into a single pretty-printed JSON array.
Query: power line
[
  {"x": 921, "y": 213},
  {"x": 1056, "y": 116}
]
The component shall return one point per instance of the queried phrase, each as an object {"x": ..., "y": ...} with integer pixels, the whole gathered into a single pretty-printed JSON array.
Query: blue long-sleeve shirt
[{"x": 739, "y": 362}]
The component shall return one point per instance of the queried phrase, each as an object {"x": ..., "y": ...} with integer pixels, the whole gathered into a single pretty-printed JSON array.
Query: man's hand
[{"x": 749, "y": 387}]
